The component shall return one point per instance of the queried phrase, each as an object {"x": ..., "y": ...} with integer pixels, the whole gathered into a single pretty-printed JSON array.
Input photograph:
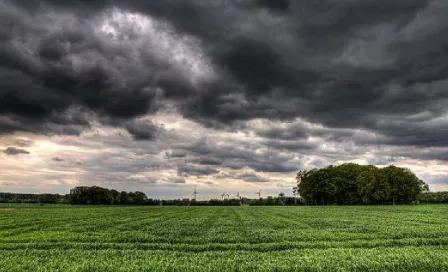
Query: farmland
[{"x": 375, "y": 238}]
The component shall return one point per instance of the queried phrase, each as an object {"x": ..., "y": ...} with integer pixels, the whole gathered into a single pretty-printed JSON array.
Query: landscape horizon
[{"x": 223, "y": 135}]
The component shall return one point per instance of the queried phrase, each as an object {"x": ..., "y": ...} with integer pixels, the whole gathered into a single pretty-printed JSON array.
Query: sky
[{"x": 230, "y": 96}]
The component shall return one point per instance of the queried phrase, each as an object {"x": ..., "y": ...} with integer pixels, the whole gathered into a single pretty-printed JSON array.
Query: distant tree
[
  {"x": 434, "y": 197},
  {"x": 281, "y": 197},
  {"x": 115, "y": 196},
  {"x": 49, "y": 198},
  {"x": 186, "y": 202},
  {"x": 124, "y": 198},
  {"x": 140, "y": 198},
  {"x": 101, "y": 196}
]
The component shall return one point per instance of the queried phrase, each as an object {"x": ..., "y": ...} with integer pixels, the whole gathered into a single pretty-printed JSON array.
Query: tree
[
  {"x": 115, "y": 196},
  {"x": 140, "y": 198},
  {"x": 101, "y": 196},
  {"x": 349, "y": 184},
  {"x": 281, "y": 196},
  {"x": 367, "y": 186},
  {"x": 49, "y": 198},
  {"x": 124, "y": 198}
]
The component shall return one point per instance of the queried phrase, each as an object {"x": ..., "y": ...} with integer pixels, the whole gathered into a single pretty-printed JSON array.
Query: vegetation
[
  {"x": 346, "y": 184},
  {"x": 94, "y": 238},
  {"x": 352, "y": 184},
  {"x": 281, "y": 200},
  {"x": 32, "y": 198},
  {"x": 84, "y": 195},
  {"x": 434, "y": 197}
]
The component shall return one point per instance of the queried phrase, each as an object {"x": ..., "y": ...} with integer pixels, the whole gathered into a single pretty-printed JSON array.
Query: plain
[{"x": 332, "y": 238}]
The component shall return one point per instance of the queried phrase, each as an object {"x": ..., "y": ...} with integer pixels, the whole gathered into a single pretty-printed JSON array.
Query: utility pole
[{"x": 194, "y": 194}]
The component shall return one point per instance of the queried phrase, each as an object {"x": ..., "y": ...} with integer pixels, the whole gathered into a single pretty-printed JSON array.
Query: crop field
[{"x": 379, "y": 238}]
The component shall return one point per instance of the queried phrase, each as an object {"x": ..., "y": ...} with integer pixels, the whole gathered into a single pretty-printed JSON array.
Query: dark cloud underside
[
  {"x": 15, "y": 151},
  {"x": 376, "y": 66}
]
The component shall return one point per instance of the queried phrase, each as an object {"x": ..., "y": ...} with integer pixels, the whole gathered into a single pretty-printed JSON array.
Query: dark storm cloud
[
  {"x": 196, "y": 170},
  {"x": 240, "y": 155},
  {"x": 343, "y": 64},
  {"x": 245, "y": 176},
  {"x": 348, "y": 93},
  {"x": 276, "y": 5},
  {"x": 273, "y": 165},
  {"x": 284, "y": 133},
  {"x": 46, "y": 73},
  {"x": 48, "y": 126},
  {"x": 143, "y": 130},
  {"x": 209, "y": 161},
  {"x": 15, "y": 151},
  {"x": 176, "y": 180},
  {"x": 251, "y": 177}
]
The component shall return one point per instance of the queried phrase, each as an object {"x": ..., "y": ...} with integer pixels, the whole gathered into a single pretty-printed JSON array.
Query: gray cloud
[
  {"x": 280, "y": 58},
  {"x": 243, "y": 154},
  {"x": 19, "y": 142},
  {"x": 15, "y": 151},
  {"x": 176, "y": 180},
  {"x": 196, "y": 170},
  {"x": 23, "y": 143},
  {"x": 328, "y": 80},
  {"x": 175, "y": 154},
  {"x": 251, "y": 177},
  {"x": 57, "y": 159},
  {"x": 279, "y": 5},
  {"x": 143, "y": 130}
]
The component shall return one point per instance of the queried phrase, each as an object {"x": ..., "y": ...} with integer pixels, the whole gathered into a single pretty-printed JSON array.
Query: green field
[{"x": 64, "y": 238}]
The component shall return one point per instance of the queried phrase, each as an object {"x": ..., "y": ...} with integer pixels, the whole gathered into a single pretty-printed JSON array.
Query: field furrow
[{"x": 377, "y": 238}]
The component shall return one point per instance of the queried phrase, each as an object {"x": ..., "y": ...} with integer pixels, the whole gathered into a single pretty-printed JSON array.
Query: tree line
[
  {"x": 434, "y": 197},
  {"x": 94, "y": 195},
  {"x": 33, "y": 198},
  {"x": 345, "y": 184},
  {"x": 82, "y": 195},
  {"x": 354, "y": 184}
]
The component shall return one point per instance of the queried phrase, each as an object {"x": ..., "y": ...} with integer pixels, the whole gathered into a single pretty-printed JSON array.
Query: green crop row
[{"x": 377, "y": 238}]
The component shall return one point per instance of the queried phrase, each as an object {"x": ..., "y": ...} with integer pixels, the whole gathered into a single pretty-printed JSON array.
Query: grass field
[{"x": 64, "y": 238}]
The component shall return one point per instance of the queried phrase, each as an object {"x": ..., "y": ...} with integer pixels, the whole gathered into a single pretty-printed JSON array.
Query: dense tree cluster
[
  {"x": 352, "y": 184},
  {"x": 434, "y": 197},
  {"x": 32, "y": 198},
  {"x": 94, "y": 195},
  {"x": 100, "y": 196}
]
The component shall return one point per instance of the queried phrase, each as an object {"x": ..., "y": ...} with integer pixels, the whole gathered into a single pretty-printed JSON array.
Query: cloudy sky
[{"x": 219, "y": 95}]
